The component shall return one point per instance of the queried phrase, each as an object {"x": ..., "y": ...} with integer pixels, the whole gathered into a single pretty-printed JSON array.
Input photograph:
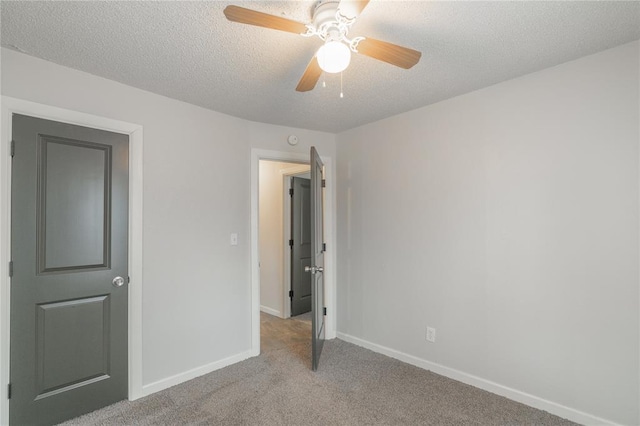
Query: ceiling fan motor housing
[{"x": 326, "y": 22}]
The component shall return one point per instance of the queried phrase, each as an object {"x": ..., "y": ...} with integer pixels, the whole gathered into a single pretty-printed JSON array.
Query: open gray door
[
  {"x": 69, "y": 227},
  {"x": 317, "y": 258},
  {"x": 300, "y": 245}
]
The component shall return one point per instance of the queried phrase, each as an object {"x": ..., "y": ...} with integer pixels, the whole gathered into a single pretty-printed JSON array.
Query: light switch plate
[{"x": 234, "y": 239}]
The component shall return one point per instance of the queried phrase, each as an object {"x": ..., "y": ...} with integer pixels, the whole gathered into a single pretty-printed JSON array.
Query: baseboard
[
  {"x": 193, "y": 373},
  {"x": 513, "y": 394},
  {"x": 268, "y": 310}
]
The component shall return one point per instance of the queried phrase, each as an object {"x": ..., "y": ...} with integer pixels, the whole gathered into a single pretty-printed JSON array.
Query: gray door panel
[
  {"x": 317, "y": 258},
  {"x": 69, "y": 223},
  {"x": 301, "y": 248},
  {"x": 77, "y": 172}
]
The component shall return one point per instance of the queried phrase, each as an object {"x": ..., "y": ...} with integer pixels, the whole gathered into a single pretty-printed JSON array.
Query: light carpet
[{"x": 353, "y": 386}]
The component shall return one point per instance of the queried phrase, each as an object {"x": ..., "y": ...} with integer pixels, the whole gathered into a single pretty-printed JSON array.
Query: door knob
[
  {"x": 118, "y": 281},
  {"x": 313, "y": 269}
]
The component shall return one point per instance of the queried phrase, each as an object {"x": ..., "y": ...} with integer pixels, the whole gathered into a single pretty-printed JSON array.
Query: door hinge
[
  {"x": 324, "y": 183},
  {"x": 13, "y": 148},
  {"x": 290, "y": 243},
  {"x": 291, "y": 192},
  {"x": 324, "y": 311},
  {"x": 324, "y": 246},
  {"x": 11, "y": 268},
  {"x": 291, "y": 294},
  {"x": 9, "y": 391},
  {"x": 128, "y": 280}
]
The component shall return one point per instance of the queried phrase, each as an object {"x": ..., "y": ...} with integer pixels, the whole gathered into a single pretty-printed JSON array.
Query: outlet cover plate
[{"x": 431, "y": 334}]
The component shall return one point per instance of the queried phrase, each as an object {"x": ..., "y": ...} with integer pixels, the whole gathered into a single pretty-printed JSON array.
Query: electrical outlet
[{"x": 431, "y": 334}]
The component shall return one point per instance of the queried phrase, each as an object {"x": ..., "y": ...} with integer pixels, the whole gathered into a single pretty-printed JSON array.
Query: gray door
[
  {"x": 300, "y": 245},
  {"x": 69, "y": 213},
  {"x": 317, "y": 258}
]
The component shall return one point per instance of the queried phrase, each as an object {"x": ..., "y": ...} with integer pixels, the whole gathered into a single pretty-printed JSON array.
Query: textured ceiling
[{"x": 189, "y": 51}]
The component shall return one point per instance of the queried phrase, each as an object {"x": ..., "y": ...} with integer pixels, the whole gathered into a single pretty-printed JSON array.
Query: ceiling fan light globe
[{"x": 334, "y": 57}]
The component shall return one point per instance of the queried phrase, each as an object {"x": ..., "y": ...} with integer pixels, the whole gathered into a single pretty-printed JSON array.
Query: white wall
[
  {"x": 269, "y": 137},
  {"x": 507, "y": 219},
  {"x": 197, "y": 289},
  {"x": 271, "y": 237}
]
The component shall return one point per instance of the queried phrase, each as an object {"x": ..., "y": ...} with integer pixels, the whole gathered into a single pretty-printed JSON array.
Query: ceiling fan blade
[
  {"x": 352, "y": 8},
  {"x": 259, "y": 19},
  {"x": 393, "y": 54},
  {"x": 310, "y": 77}
]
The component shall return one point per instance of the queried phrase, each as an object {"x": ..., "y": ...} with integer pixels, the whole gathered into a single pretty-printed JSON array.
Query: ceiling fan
[{"x": 332, "y": 20}]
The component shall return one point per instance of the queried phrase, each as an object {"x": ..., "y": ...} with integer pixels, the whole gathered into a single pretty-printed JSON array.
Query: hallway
[{"x": 292, "y": 336}]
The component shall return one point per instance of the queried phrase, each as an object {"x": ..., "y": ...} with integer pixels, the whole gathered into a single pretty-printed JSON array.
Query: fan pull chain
[{"x": 341, "y": 93}]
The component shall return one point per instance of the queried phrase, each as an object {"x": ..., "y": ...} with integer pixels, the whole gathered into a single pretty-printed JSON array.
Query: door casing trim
[
  {"x": 9, "y": 106},
  {"x": 330, "y": 235}
]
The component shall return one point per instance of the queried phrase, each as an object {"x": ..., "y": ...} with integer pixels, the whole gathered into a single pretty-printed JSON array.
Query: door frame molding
[
  {"x": 330, "y": 235},
  {"x": 9, "y": 106}
]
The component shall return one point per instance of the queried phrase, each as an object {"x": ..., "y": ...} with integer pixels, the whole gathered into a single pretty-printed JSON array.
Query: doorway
[
  {"x": 303, "y": 157},
  {"x": 278, "y": 241}
]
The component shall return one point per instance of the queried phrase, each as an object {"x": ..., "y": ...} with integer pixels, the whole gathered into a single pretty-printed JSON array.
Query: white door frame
[
  {"x": 8, "y": 108},
  {"x": 330, "y": 236},
  {"x": 287, "y": 174}
]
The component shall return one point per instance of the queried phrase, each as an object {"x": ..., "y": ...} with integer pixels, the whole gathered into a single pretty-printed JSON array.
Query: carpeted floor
[{"x": 353, "y": 386}]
